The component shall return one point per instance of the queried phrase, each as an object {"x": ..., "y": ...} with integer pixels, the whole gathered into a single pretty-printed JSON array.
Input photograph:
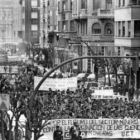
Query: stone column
[{"x": 132, "y": 28}]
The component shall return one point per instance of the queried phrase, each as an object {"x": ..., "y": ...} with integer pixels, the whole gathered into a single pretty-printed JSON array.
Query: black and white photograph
[{"x": 69, "y": 69}]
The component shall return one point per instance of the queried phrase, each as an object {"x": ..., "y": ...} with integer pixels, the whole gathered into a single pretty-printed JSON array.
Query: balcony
[
  {"x": 134, "y": 3},
  {"x": 104, "y": 13},
  {"x": 75, "y": 16},
  {"x": 83, "y": 14}
]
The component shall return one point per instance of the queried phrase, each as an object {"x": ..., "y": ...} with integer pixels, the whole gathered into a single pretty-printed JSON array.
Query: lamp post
[{"x": 93, "y": 53}]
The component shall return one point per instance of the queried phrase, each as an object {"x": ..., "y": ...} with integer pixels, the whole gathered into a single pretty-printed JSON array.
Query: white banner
[
  {"x": 9, "y": 69},
  {"x": 98, "y": 96},
  {"x": 96, "y": 128},
  {"x": 56, "y": 84}
]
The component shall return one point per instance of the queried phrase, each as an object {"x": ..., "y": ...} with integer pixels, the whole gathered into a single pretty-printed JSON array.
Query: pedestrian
[
  {"x": 131, "y": 93},
  {"x": 137, "y": 93},
  {"x": 58, "y": 134},
  {"x": 75, "y": 132}
]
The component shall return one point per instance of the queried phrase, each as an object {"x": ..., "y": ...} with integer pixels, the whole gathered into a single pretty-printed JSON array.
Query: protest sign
[
  {"x": 9, "y": 69},
  {"x": 96, "y": 128},
  {"x": 56, "y": 84},
  {"x": 99, "y": 96},
  {"x": 104, "y": 91}
]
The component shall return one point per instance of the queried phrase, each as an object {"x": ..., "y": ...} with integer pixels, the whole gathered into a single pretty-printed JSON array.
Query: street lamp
[{"x": 93, "y": 53}]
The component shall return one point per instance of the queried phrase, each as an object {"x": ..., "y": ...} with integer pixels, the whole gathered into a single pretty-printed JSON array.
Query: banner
[
  {"x": 96, "y": 128},
  {"x": 56, "y": 84},
  {"x": 104, "y": 91},
  {"x": 98, "y": 96},
  {"x": 9, "y": 69}
]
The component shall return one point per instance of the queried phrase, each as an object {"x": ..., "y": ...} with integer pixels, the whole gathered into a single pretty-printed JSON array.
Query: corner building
[
  {"x": 127, "y": 26},
  {"x": 95, "y": 25}
]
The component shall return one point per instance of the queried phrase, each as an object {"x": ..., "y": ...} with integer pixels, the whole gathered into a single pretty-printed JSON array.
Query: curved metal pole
[
  {"x": 86, "y": 45},
  {"x": 68, "y": 61}
]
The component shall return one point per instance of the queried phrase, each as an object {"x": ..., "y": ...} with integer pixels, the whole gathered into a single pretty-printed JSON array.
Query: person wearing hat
[
  {"x": 75, "y": 132},
  {"x": 58, "y": 134}
]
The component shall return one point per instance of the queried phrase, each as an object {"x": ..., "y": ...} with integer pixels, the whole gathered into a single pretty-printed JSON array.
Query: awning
[
  {"x": 81, "y": 75},
  {"x": 91, "y": 76}
]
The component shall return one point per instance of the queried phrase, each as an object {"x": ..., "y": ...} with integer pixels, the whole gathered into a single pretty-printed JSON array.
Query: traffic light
[
  {"x": 135, "y": 64},
  {"x": 57, "y": 37},
  {"x": 50, "y": 38}
]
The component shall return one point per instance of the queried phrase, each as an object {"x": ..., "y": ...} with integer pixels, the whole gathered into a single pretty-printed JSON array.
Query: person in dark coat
[
  {"x": 131, "y": 93},
  {"x": 75, "y": 132},
  {"x": 58, "y": 134}
]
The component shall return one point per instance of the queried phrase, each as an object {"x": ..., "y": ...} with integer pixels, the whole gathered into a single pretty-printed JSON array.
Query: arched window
[
  {"x": 109, "y": 29},
  {"x": 96, "y": 29}
]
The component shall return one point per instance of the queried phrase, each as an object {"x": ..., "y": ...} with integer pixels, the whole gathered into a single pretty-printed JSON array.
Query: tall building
[
  {"x": 30, "y": 21},
  {"x": 127, "y": 26},
  {"x": 17, "y": 21},
  {"x": 95, "y": 26},
  {"x": 6, "y": 21},
  {"x": 48, "y": 21}
]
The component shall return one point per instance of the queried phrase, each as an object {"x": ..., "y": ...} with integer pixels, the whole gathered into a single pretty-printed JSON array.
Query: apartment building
[
  {"x": 48, "y": 21},
  {"x": 95, "y": 26},
  {"x": 17, "y": 21},
  {"x": 6, "y": 21},
  {"x": 57, "y": 27},
  {"x": 127, "y": 26},
  {"x": 30, "y": 21}
]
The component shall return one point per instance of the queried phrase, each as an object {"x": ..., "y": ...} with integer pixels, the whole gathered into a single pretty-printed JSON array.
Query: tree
[
  {"x": 126, "y": 68},
  {"x": 42, "y": 111}
]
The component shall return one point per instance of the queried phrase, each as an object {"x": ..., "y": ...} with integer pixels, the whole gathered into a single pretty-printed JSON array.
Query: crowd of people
[{"x": 67, "y": 104}]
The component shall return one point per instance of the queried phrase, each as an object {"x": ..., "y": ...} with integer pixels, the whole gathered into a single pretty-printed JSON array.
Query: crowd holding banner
[
  {"x": 96, "y": 128},
  {"x": 56, "y": 84},
  {"x": 79, "y": 104}
]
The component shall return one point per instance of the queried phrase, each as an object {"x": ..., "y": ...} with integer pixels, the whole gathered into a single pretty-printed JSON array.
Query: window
[
  {"x": 119, "y": 3},
  {"x": 34, "y": 21},
  {"x": 96, "y": 29},
  {"x": 96, "y": 4},
  {"x": 123, "y": 28},
  {"x": 108, "y": 4},
  {"x": 34, "y": 33},
  {"x": 119, "y": 28},
  {"x": 34, "y": 3},
  {"x": 59, "y": 26},
  {"x": 123, "y": 33},
  {"x": 109, "y": 29},
  {"x": 34, "y": 9},
  {"x": 84, "y": 4},
  {"x": 137, "y": 28},
  {"x": 71, "y": 5},
  {"x": 64, "y": 5},
  {"x": 59, "y": 6},
  {"x": 72, "y": 25},
  {"x": 123, "y": 2},
  {"x": 129, "y": 28}
]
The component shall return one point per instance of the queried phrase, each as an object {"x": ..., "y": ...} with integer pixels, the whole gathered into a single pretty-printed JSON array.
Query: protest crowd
[{"x": 67, "y": 104}]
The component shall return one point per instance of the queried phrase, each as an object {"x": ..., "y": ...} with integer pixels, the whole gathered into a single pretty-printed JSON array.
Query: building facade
[
  {"x": 127, "y": 26},
  {"x": 30, "y": 21},
  {"x": 17, "y": 21},
  {"x": 6, "y": 21},
  {"x": 95, "y": 26}
]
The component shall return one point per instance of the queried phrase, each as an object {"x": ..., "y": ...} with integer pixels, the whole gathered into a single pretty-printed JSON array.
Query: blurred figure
[
  {"x": 137, "y": 93},
  {"x": 75, "y": 132},
  {"x": 131, "y": 93},
  {"x": 58, "y": 134}
]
